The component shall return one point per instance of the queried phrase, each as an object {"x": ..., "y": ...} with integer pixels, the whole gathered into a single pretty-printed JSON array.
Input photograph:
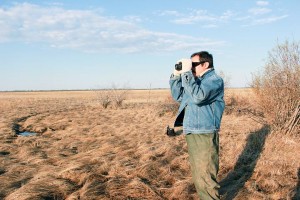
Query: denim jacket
[{"x": 201, "y": 101}]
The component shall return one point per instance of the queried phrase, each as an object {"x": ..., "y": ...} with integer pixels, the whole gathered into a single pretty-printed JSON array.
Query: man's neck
[{"x": 201, "y": 74}]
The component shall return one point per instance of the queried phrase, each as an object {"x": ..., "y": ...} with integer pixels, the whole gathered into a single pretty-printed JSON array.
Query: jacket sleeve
[
  {"x": 176, "y": 87},
  {"x": 202, "y": 91}
]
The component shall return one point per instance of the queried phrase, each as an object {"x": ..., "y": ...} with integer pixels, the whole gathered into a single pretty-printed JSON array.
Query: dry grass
[{"x": 83, "y": 151}]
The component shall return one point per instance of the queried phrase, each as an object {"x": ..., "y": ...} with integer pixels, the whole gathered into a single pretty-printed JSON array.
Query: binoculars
[{"x": 178, "y": 66}]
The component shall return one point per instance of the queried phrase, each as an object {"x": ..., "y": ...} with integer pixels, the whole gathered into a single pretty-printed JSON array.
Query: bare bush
[
  {"x": 225, "y": 78},
  {"x": 112, "y": 95},
  {"x": 119, "y": 95},
  {"x": 104, "y": 97},
  {"x": 278, "y": 87}
]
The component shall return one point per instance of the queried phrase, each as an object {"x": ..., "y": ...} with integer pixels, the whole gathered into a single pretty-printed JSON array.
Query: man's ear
[{"x": 206, "y": 65}]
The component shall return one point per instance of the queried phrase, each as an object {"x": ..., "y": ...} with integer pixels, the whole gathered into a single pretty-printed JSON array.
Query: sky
[{"x": 94, "y": 44}]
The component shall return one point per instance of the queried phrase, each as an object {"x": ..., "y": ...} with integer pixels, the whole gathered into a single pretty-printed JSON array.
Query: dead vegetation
[
  {"x": 277, "y": 87},
  {"x": 88, "y": 152},
  {"x": 114, "y": 96}
]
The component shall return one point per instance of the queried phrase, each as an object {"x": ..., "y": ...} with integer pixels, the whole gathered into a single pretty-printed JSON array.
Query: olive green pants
[{"x": 204, "y": 160}]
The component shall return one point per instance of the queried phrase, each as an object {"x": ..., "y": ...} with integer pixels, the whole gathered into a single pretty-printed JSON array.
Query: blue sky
[{"x": 53, "y": 45}]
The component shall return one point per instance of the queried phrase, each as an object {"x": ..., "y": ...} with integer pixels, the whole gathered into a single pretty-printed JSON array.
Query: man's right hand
[
  {"x": 186, "y": 66},
  {"x": 176, "y": 72}
]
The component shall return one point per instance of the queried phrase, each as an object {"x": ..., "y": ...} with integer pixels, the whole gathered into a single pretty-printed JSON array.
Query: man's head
[{"x": 201, "y": 62}]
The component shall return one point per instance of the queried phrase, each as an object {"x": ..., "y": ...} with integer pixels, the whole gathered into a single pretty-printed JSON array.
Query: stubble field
[{"x": 83, "y": 151}]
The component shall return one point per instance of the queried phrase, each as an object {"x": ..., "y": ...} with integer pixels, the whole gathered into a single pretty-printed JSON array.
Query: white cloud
[
  {"x": 204, "y": 17},
  {"x": 195, "y": 17},
  {"x": 210, "y": 26},
  {"x": 249, "y": 17},
  {"x": 262, "y": 21},
  {"x": 259, "y": 11},
  {"x": 88, "y": 30},
  {"x": 227, "y": 15},
  {"x": 261, "y": 15},
  {"x": 167, "y": 13},
  {"x": 268, "y": 20},
  {"x": 262, "y": 3},
  {"x": 133, "y": 19}
]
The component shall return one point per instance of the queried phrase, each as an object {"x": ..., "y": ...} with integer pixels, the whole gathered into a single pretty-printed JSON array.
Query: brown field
[{"x": 83, "y": 151}]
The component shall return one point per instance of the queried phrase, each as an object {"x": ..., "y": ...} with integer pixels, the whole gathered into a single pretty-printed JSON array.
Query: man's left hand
[{"x": 186, "y": 64}]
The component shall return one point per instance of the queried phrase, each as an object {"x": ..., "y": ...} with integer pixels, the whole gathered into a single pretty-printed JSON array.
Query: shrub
[
  {"x": 277, "y": 87},
  {"x": 225, "y": 78},
  {"x": 118, "y": 95},
  {"x": 104, "y": 97},
  {"x": 112, "y": 95}
]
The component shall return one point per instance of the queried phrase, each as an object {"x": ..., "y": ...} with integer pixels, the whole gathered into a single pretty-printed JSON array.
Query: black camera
[
  {"x": 170, "y": 131},
  {"x": 178, "y": 66}
]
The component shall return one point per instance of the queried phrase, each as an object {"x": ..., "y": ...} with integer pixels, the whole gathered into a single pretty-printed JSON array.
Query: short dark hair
[{"x": 205, "y": 56}]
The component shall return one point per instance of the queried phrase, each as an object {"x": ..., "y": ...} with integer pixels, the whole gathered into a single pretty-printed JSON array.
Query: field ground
[{"x": 83, "y": 151}]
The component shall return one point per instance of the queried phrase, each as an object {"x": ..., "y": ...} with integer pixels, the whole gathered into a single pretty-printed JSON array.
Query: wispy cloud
[
  {"x": 88, "y": 30},
  {"x": 167, "y": 13},
  {"x": 262, "y": 13},
  {"x": 259, "y": 11},
  {"x": 268, "y": 20},
  {"x": 262, "y": 3},
  {"x": 203, "y": 16},
  {"x": 132, "y": 18}
]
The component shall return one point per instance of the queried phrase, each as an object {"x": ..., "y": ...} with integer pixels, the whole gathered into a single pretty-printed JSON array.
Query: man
[{"x": 200, "y": 91}]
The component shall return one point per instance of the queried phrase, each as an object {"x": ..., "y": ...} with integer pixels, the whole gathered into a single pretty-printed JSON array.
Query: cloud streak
[
  {"x": 262, "y": 3},
  {"x": 268, "y": 20},
  {"x": 258, "y": 15},
  {"x": 261, "y": 15},
  {"x": 259, "y": 11},
  {"x": 88, "y": 31},
  {"x": 201, "y": 16}
]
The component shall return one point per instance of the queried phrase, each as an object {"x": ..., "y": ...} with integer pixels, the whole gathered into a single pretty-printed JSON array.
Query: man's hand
[
  {"x": 186, "y": 66},
  {"x": 176, "y": 72}
]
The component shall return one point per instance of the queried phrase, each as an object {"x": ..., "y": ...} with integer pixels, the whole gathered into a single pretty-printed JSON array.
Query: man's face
[{"x": 197, "y": 70}]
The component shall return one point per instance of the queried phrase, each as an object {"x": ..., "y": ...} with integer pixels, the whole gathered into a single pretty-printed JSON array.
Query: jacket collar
[{"x": 205, "y": 73}]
